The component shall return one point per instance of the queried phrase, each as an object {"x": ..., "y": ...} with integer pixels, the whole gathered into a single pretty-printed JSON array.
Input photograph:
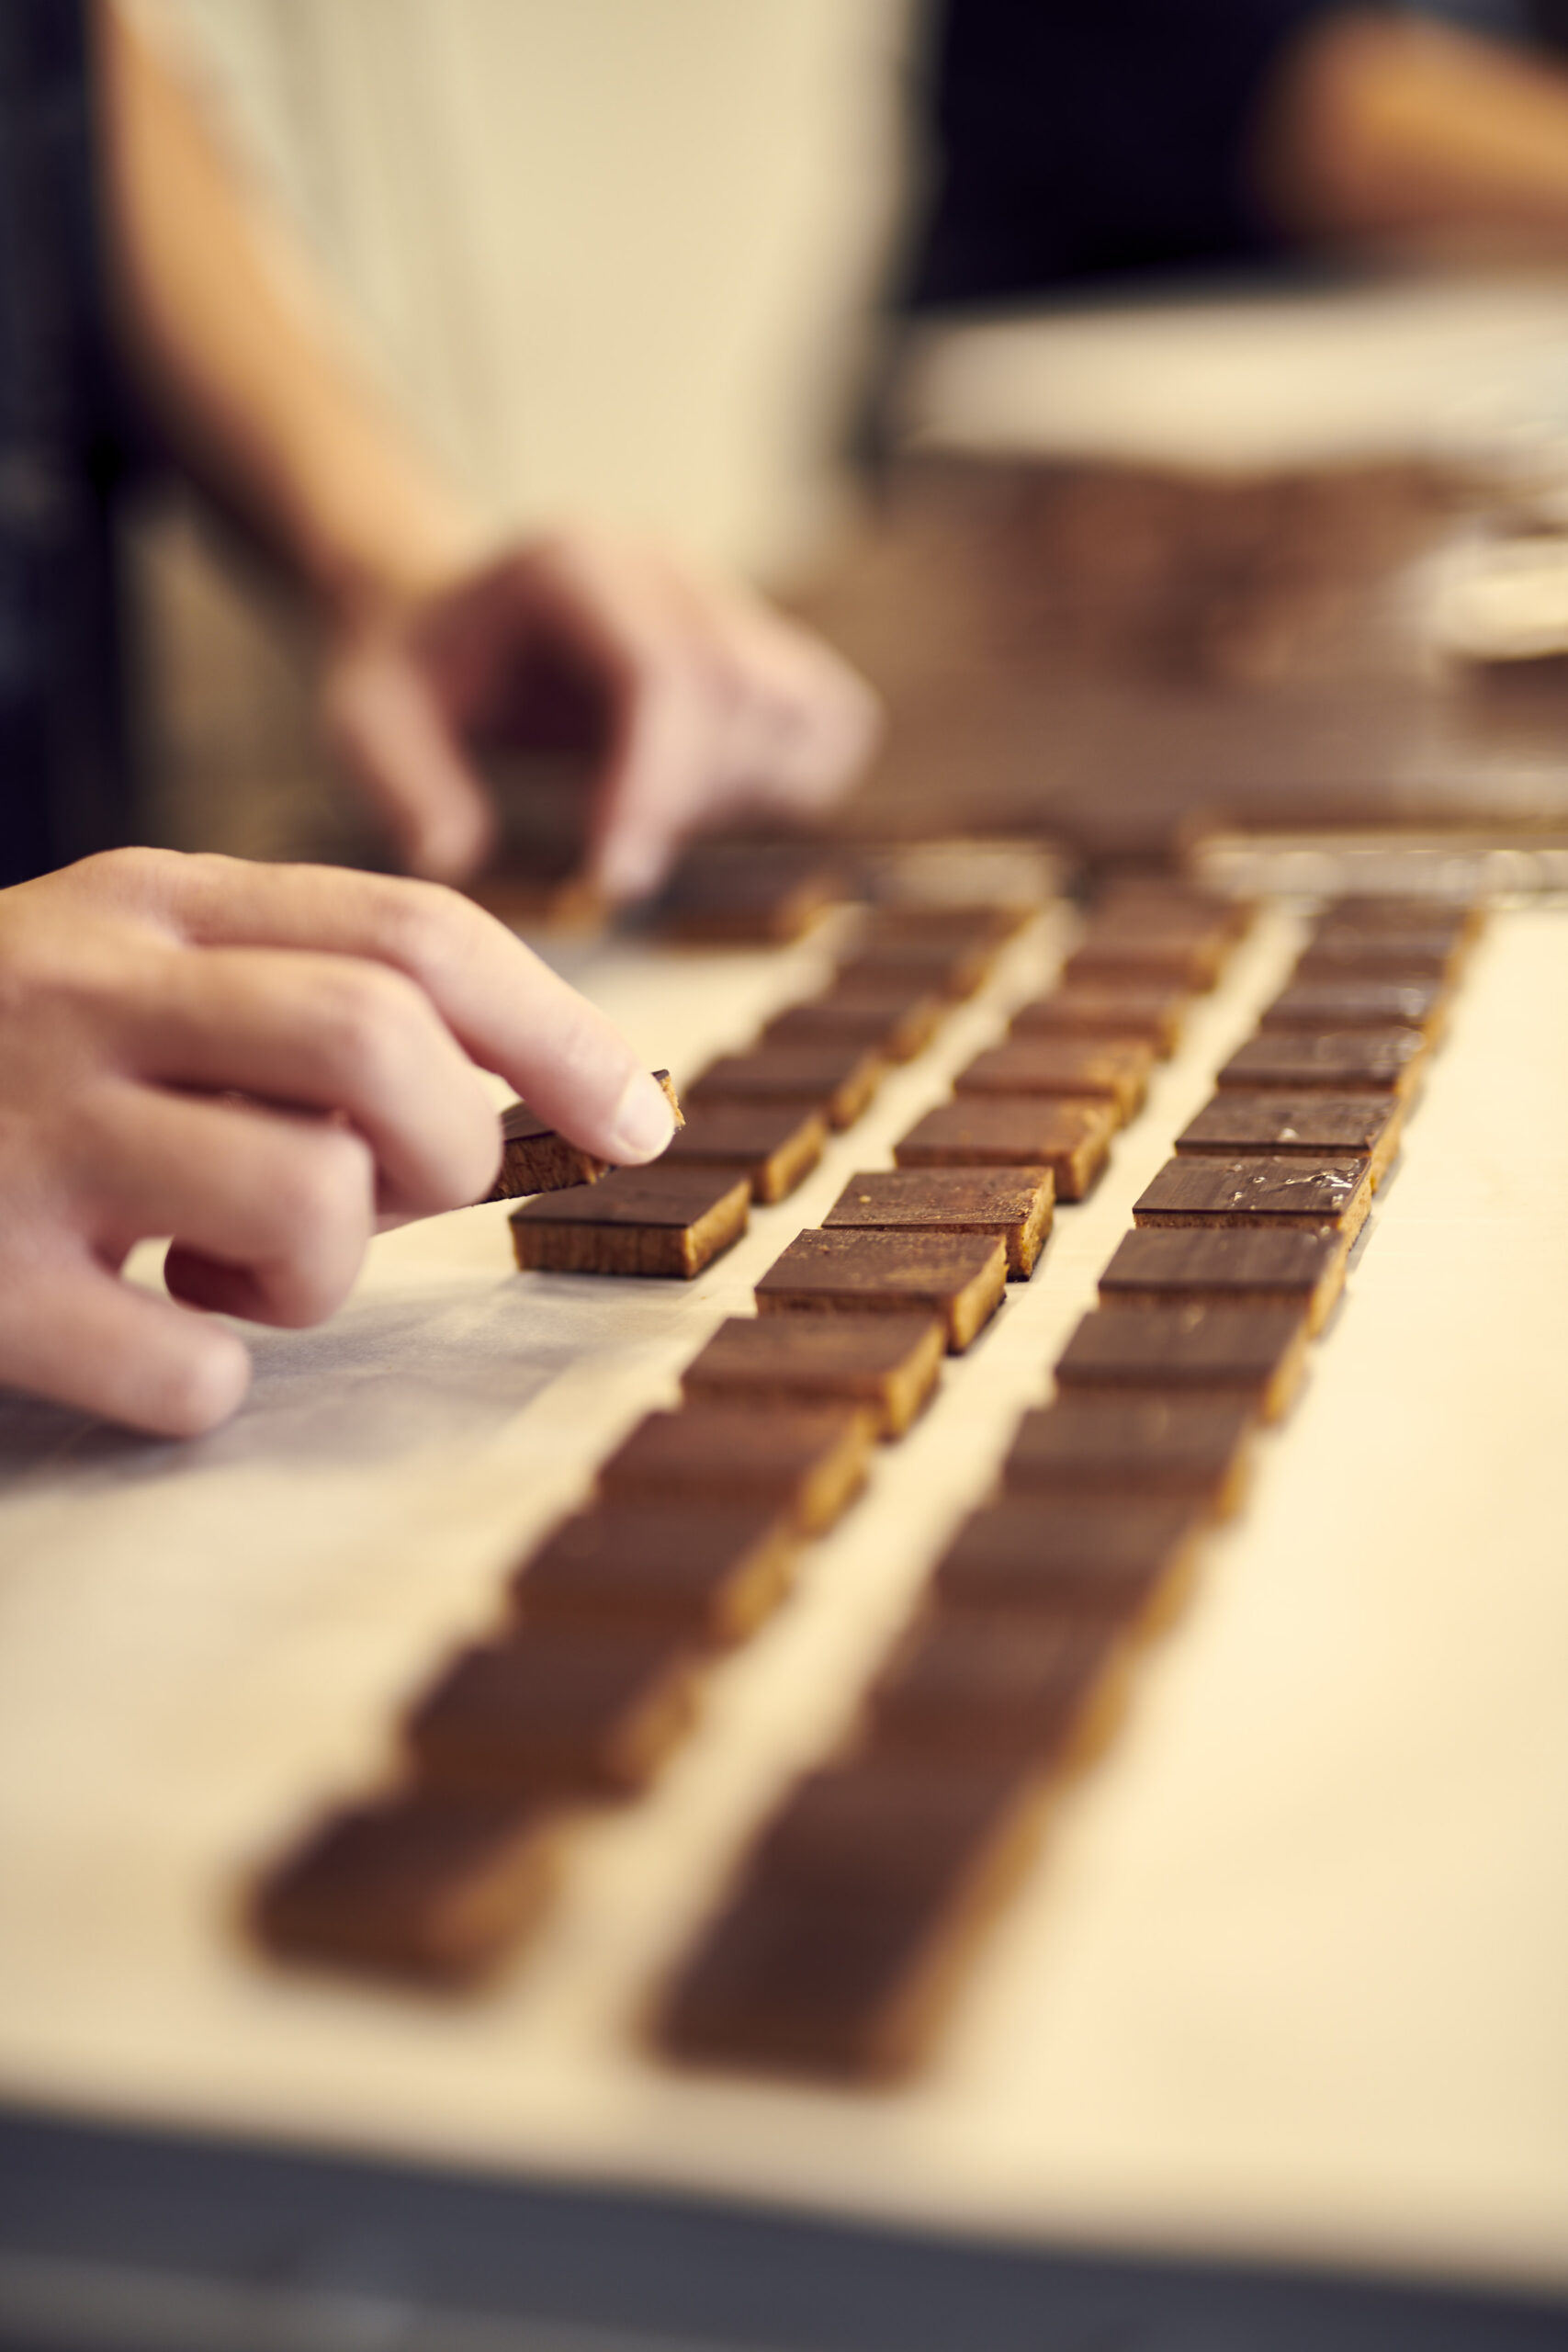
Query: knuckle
[
  {"x": 422, "y": 927},
  {"x": 361, "y": 1017},
  {"x": 322, "y": 1188}
]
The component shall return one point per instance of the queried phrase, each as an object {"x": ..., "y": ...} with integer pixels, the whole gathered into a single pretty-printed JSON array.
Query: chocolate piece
[
  {"x": 663, "y": 1220},
  {"x": 1164, "y": 901},
  {"x": 558, "y": 1709},
  {"x": 1191, "y": 1447},
  {"x": 1073, "y": 1067},
  {"x": 417, "y": 1883},
  {"x": 1103, "y": 1560},
  {"x": 746, "y": 893},
  {"x": 1310, "y": 1194},
  {"x": 953, "y": 967},
  {"x": 895, "y": 1024},
  {"x": 1150, "y": 1015},
  {"x": 1301, "y": 1126},
  {"x": 958, "y": 1276},
  {"x": 809, "y": 1460},
  {"x": 711, "y": 1570},
  {"x": 1338, "y": 1061},
  {"x": 1031, "y": 1687},
  {"x": 538, "y": 1158},
  {"x": 774, "y": 1145},
  {"x": 889, "y": 1823},
  {"x": 1360, "y": 1004},
  {"x": 1013, "y": 1203},
  {"x": 886, "y": 1365},
  {"x": 1187, "y": 956},
  {"x": 1370, "y": 954},
  {"x": 1256, "y": 1352},
  {"x": 837, "y": 1076},
  {"x": 1072, "y": 1139},
  {"x": 1454, "y": 918},
  {"x": 1166, "y": 1266},
  {"x": 931, "y": 925}
]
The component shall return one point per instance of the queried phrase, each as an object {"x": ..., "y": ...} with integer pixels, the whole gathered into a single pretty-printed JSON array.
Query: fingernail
[{"x": 643, "y": 1122}]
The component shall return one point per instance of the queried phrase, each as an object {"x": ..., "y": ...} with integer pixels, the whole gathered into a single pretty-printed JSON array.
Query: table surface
[{"x": 1287, "y": 1980}]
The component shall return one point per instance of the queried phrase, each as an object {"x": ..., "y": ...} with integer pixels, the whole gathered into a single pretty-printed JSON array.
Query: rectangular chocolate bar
[
  {"x": 1110, "y": 1560},
  {"x": 1405, "y": 1003},
  {"x": 886, "y": 1365},
  {"x": 748, "y": 893},
  {"x": 709, "y": 1571},
  {"x": 536, "y": 1157},
  {"x": 1185, "y": 956},
  {"x": 1072, "y": 1139},
  {"x": 1033, "y": 1687},
  {"x": 953, "y": 968},
  {"x": 1150, "y": 1015},
  {"x": 958, "y": 925},
  {"x": 1301, "y": 1126},
  {"x": 885, "y": 1822},
  {"x": 1455, "y": 919},
  {"x": 1337, "y": 1061},
  {"x": 554, "y": 1710},
  {"x": 1191, "y": 1447},
  {"x": 665, "y": 1220},
  {"x": 1256, "y": 1352},
  {"x": 417, "y": 1883},
  {"x": 894, "y": 1024},
  {"x": 1164, "y": 900},
  {"x": 809, "y": 1460},
  {"x": 958, "y": 1276},
  {"x": 774, "y": 1145},
  {"x": 1013, "y": 1203},
  {"x": 1310, "y": 1194},
  {"x": 1170, "y": 1266},
  {"x": 834, "y": 1075},
  {"x": 1073, "y": 1067}
]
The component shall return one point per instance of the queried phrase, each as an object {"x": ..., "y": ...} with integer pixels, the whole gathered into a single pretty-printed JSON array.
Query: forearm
[{"x": 241, "y": 367}]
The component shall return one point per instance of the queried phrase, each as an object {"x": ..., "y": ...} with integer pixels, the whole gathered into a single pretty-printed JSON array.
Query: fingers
[
  {"x": 390, "y": 728},
  {"x": 76, "y": 1333}
]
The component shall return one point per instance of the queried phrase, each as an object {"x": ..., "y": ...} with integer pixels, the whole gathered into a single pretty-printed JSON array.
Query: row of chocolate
[
  {"x": 857, "y": 1907},
  {"x": 698, "y": 1516}
]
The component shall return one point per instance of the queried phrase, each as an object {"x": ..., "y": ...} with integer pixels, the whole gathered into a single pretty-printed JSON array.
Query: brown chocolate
[
  {"x": 1036, "y": 1688},
  {"x": 1310, "y": 1194},
  {"x": 1405, "y": 1003},
  {"x": 809, "y": 1460},
  {"x": 1169, "y": 1266},
  {"x": 835, "y": 1076},
  {"x": 1256, "y": 1352},
  {"x": 745, "y": 893},
  {"x": 1166, "y": 902},
  {"x": 417, "y": 1883},
  {"x": 1013, "y": 1203},
  {"x": 1151, "y": 1016},
  {"x": 1072, "y": 1139},
  {"x": 1074, "y": 1068},
  {"x": 954, "y": 969},
  {"x": 1105, "y": 1560},
  {"x": 774, "y": 1145},
  {"x": 668, "y": 1219},
  {"x": 708, "y": 1570},
  {"x": 958, "y": 1276},
  {"x": 561, "y": 1710},
  {"x": 1338, "y": 1061},
  {"x": 886, "y": 1365},
  {"x": 1123, "y": 948},
  {"x": 938, "y": 925},
  {"x": 1301, "y": 1126},
  {"x": 887, "y": 1823},
  {"x": 894, "y": 1024},
  {"x": 1453, "y": 919},
  {"x": 1193, "y": 1448},
  {"x": 536, "y": 1157}
]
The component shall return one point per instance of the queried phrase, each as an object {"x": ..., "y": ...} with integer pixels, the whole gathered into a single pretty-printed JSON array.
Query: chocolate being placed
[
  {"x": 417, "y": 1883},
  {"x": 1231, "y": 1266},
  {"x": 1128, "y": 1563},
  {"x": 744, "y": 893},
  {"x": 1340, "y": 1061},
  {"x": 536, "y": 1157},
  {"x": 712, "y": 1571},
  {"x": 1013, "y": 1203},
  {"x": 667, "y": 1219},
  {"x": 1285, "y": 1191},
  {"x": 1072, "y": 1139},
  {"x": 1256, "y": 1352},
  {"x": 774, "y": 1145},
  {"x": 1356, "y": 1004},
  {"x": 554, "y": 1709},
  {"x": 809, "y": 1460},
  {"x": 1151, "y": 1015},
  {"x": 1193, "y": 1447},
  {"x": 1074, "y": 1068},
  {"x": 886, "y": 1365},
  {"x": 894, "y": 1024},
  {"x": 1036, "y": 1688},
  {"x": 958, "y": 1276},
  {"x": 1301, "y": 1126},
  {"x": 835, "y": 1076}
]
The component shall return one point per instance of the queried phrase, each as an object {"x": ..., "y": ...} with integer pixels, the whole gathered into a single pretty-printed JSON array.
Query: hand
[
  {"x": 698, "y": 706},
  {"x": 266, "y": 1062}
]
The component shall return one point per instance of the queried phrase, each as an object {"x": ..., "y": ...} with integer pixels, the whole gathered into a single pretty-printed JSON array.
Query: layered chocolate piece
[
  {"x": 1072, "y": 1139},
  {"x": 536, "y": 1158},
  {"x": 1013, "y": 1203},
  {"x": 1258, "y": 1352},
  {"x": 774, "y": 1145},
  {"x": 667, "y": 1220},
  {"x": 894, "y": 1022},
  {"x": 704, "y": 1571},
  {"x": 808, "y": 1461},
  {"x": 1298, "y": 1126},
  {"x": 1122, "y": 1562},
  {"x": 1184, "y": 1266},
  {"x": 561, "y": 1711},
  {"x": 1310, "y": 1195},
  {"x": 1336, "y": 1061},
  {"x": 1042, "y": 1691},
  {"x": 1147, "y": 1014},
  {"x": 835, "y": 1076},
  {"x": 1359, "y": 1003},
  {"x": 953, "y": 967},
  {"x": 959, "y": 1277},
  {"x": 1072, "y": 1068},
  {"x": 1189, "y": 1449},
  {"x": 885, "y": 1365}
]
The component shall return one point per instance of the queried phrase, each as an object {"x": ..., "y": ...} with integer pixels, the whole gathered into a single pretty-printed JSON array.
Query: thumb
[{"x": 398, "y": 744}]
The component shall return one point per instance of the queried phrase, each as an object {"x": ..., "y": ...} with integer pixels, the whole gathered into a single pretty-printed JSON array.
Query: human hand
[
  {"x": 267, "y": 1063},
  {"x": 698, "y": 706}
]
